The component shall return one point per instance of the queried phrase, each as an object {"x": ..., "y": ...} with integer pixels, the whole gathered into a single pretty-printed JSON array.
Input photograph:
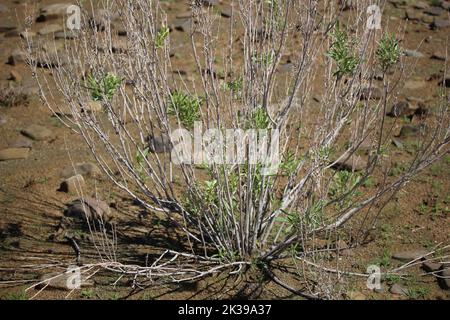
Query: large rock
[
  {"x": 410, "y": 255},
  {"x": 353, "y": 163},
  {"x": 399, "y": 290},
  {"x": 21, "y": 142},
  {"x": 14, "y": 154},
  {"x": 429, "y": 266},
  {"x": 53, "y": 11},
  {"x": 73, "y": 184},
  {"x": 84, "y": 169},
  {"x": 50, "y": 29},
  {"x": 3, "y": 120},
  {"x": 412, "y": 130},
  {"x": 89, "y": 208},
  {"x": 440, "y": 24},
  {"x": 38, "y": 133},
  {"x": 371, "y": 93},
  {"x": 18, "y": 56},
  {"x": 445, "y": 82},
  {"x": 400, "y": 109},
  {"x": 159, "y": 144},
  {"x": 444, "y": 278}
]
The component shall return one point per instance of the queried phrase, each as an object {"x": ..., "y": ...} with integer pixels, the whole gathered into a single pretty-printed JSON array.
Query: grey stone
[
  {"x": 52, "y": 11},
  {"x": 399, "y": 290},
  {"x": 413, "y": 53},
  {"x": 38, "y": 133},
  {"x": 371, "y": 93},
  {"x": 415, "y": 84},
  {"x": 353, "y": 163},
  {"x": 429, "y": 266},
  {"x": 89, "y": 208},
  {"x": 21, "y": 142},
  {"x": 445, "y": 82},
  {"x": 226, "y": 12},
  {"x": 437, "y": 55},
  {"x": 18, "y": 56},
  {"x": 434, "y": 11},
  {"x": 412, "y": 130},
  {"x": 159, "y": 144},
  {"x": 68, "y": 34},
  {"x": 413, "y": 15},
  {"x": 73, "y": 184},
  {"x": 444, "y": 278},
  {"x": 400, "y": 109},
  {"x": 440, "y": 24},
  {"x": 49, "y": 29},
  {"x": 3, "y": 8},
  {"x": 14, "y": 154},
  {"x": 184, "y": 25},
  {"x": 6, "y": 27},
  {"x": 410, "y": 255},
  {"x": 84, "y": 169},
  {"x": 420, "y": 5}
]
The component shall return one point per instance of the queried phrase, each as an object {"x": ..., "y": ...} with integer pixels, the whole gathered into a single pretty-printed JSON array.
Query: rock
[
  {"x": 184, "y": 25},
  {"x": 445, "y": 82},
  {"x": 53, "y": 11},
  {"x": 159, "y": 144},
  {"x": 22, "y": 142},
  {"x": 13, "y": 96},
  {"x": 421, "y": 110},
  {"x": 38, "y": 133},
  {"x": 413, "y": 54},
  {"x": 438, "y": 55},
  {"x": 63, "y": 281},
  {"x": 373, "y": 93},
  {"x": 356, "y": 296},
  {"x": 444, "y": 278},
  {"x": 67, "y": 34},
  {"x": 411, "y": 130},
  {"x": 3, "y": 8},
  {"x": 420, "y": 5},
  {"x": 399, "y": 290},
  {"x": 84, "y": 169},
  {"x": 400, "y": 109},
  {"x": 15, "y": 76},
  {"x": 434, "y": 11},
  {"x": 6, "y": 27},
  {"x": 49, "y": 29},
  {"x": 445, "y": 5},
  {"x": 415, "y": 84},
  {"x": 18, "y": 56},
  {"x": 3, "y": 120},
  {"x": 398, "y": 143},
  {"x": 14, "y": 154},
  {"x": 89, "y": 208},
  {"x": 27, "y": 35},
  {"x": 427, "y": 19},
  {"x": 410, "y": 255},
  {"x": 226, "y": 12},
  {"x": 429, "y": 266},
  {"x": 413, "y": 15},
  {"x": 440, "y": 24},
  {"x": 210, "y": 2},
  {"x": 353, "y": 163},
  {"x": 73, "y": 184},
  {"x": 93, "y": 107},
  {"x": 101, "y": 19},
  {"x": 287, "y": 67}
]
